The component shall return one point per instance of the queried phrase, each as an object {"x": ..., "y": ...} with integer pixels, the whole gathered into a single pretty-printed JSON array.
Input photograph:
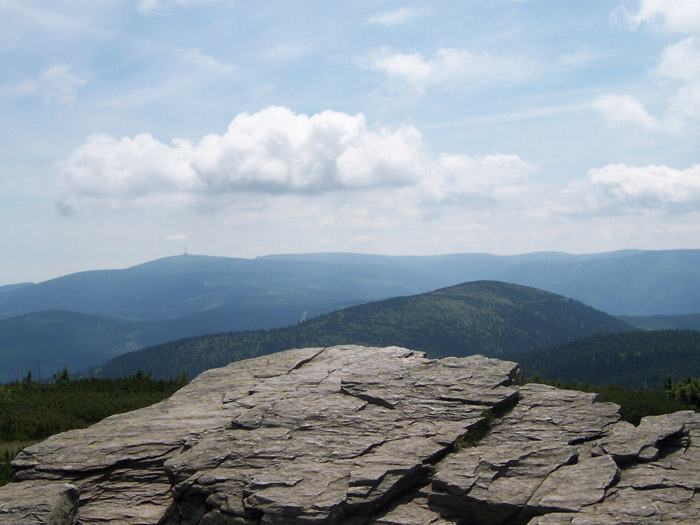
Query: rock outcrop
[{"x": 358, "y": 435}]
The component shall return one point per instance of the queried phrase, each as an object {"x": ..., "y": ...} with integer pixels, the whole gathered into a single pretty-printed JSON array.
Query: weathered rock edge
[{"x": 359, "y": 435}]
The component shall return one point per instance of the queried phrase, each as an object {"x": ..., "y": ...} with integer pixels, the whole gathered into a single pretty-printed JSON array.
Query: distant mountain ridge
[
  {"x": 483, "y": 317},
  {"x": 192, "y": 295},
  {"x": 627, "y": 282}
]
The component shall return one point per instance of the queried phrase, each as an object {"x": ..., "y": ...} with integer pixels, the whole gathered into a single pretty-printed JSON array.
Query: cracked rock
[{"x": 358, "y": 435}]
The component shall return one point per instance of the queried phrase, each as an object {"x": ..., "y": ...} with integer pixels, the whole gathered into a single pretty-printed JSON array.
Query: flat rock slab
[
  {"x": 360, "y": 435},
  {"x": 32, "y": 502}
]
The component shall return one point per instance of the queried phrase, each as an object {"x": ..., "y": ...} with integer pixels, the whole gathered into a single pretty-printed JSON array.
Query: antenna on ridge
[{"x": 185, "y": 253}]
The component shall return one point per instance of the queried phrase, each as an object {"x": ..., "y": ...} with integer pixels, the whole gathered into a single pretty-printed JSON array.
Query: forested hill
[
  {"x": 484, "y": 317},
  {"x": 634, "y": 360}
]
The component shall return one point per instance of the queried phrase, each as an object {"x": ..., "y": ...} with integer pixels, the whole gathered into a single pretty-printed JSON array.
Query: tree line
[{"x": 31, "y": 411}]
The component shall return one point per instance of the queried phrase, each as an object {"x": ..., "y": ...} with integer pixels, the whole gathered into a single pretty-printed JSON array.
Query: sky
[{"x": 133, "y": 128}]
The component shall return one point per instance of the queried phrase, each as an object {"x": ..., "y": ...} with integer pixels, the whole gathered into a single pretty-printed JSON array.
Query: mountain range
[
  {"x": 482, "y": 317},
  {"x": 83, "y": 319}
]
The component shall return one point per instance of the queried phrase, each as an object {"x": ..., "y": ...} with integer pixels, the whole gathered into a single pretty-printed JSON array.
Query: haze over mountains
[
  {"x": 629, "y": 282},
  {"x": 83, "y": 319}
]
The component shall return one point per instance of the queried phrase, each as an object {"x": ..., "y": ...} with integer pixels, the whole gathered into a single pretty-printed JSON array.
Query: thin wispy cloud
[
  {"x": 150, "y": 7},
  {"x": 393, "y": 18},
  {"x": 533, "y": 113},
  {"x": 201, "y": 60},
  {"x": 446, "y": 67},
  {"x": 57, "y": 84},
  {"x": 287, "y": 51}
]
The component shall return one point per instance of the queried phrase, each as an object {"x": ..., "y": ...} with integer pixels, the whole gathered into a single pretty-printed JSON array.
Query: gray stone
[
  {"x": 358, "y": 435},
  {"x": 32, "y": 502}
]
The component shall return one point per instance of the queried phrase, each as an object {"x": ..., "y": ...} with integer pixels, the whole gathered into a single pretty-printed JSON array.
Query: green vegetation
[
  {"x": 634, "y": 404},
  {"x": 483, "y": 317},
  {"x": 32, "y": 411},
  {"x": 638, "y": 360},
  {"x": 478, "y": 431},
  {"x": 685, "y": 391}
]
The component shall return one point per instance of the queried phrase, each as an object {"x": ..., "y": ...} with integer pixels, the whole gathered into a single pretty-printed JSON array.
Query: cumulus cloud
[
  {"x": 277, "y": 152},
  {"x": 447, "y": 66},
  {"x": 619, "y": 189},
  {"x": 57, "y": 84},
  {"x": 273, "y": 151}
]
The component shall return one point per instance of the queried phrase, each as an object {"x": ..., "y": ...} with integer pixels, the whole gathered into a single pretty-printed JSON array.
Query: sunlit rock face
[{"x": 357, "y": 435}]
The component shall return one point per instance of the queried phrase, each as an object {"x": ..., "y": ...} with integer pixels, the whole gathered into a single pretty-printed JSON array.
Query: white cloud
[
  {"x": 686, "y": 105},
  {"x": 681, "y": 61},
  {"x": 682, "y": 16},
  {"x": 619, "y": 189},
  {"x": 447, "y": 66},
  {"x": 57, "y": 84},
  {"x": 273, "y": 151},
  {"x": 147, "y": 7},
  {"x": 573, "y": 60},
  {"x": 458, "y": 179},
  {"x": 21, "y": 18},
  {"x": 392, "y": 18},
  {"x": 196, "y": 57},
  {"x": 276, "y": 152},
  {"x": 624, "y": 109},
  {"x": 679, "y": 64}
]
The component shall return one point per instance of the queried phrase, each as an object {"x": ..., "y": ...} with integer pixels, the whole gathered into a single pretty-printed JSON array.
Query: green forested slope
[
  {"x": 486, "y": 317},
  {"x": 633, "y": 360}
]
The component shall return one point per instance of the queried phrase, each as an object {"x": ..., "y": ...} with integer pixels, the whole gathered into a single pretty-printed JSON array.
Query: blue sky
[{"x": 132, "y": 127}]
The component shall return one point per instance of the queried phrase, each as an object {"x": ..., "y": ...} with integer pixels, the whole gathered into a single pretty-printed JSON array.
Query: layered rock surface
[{"x": 360, "y": 435}]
